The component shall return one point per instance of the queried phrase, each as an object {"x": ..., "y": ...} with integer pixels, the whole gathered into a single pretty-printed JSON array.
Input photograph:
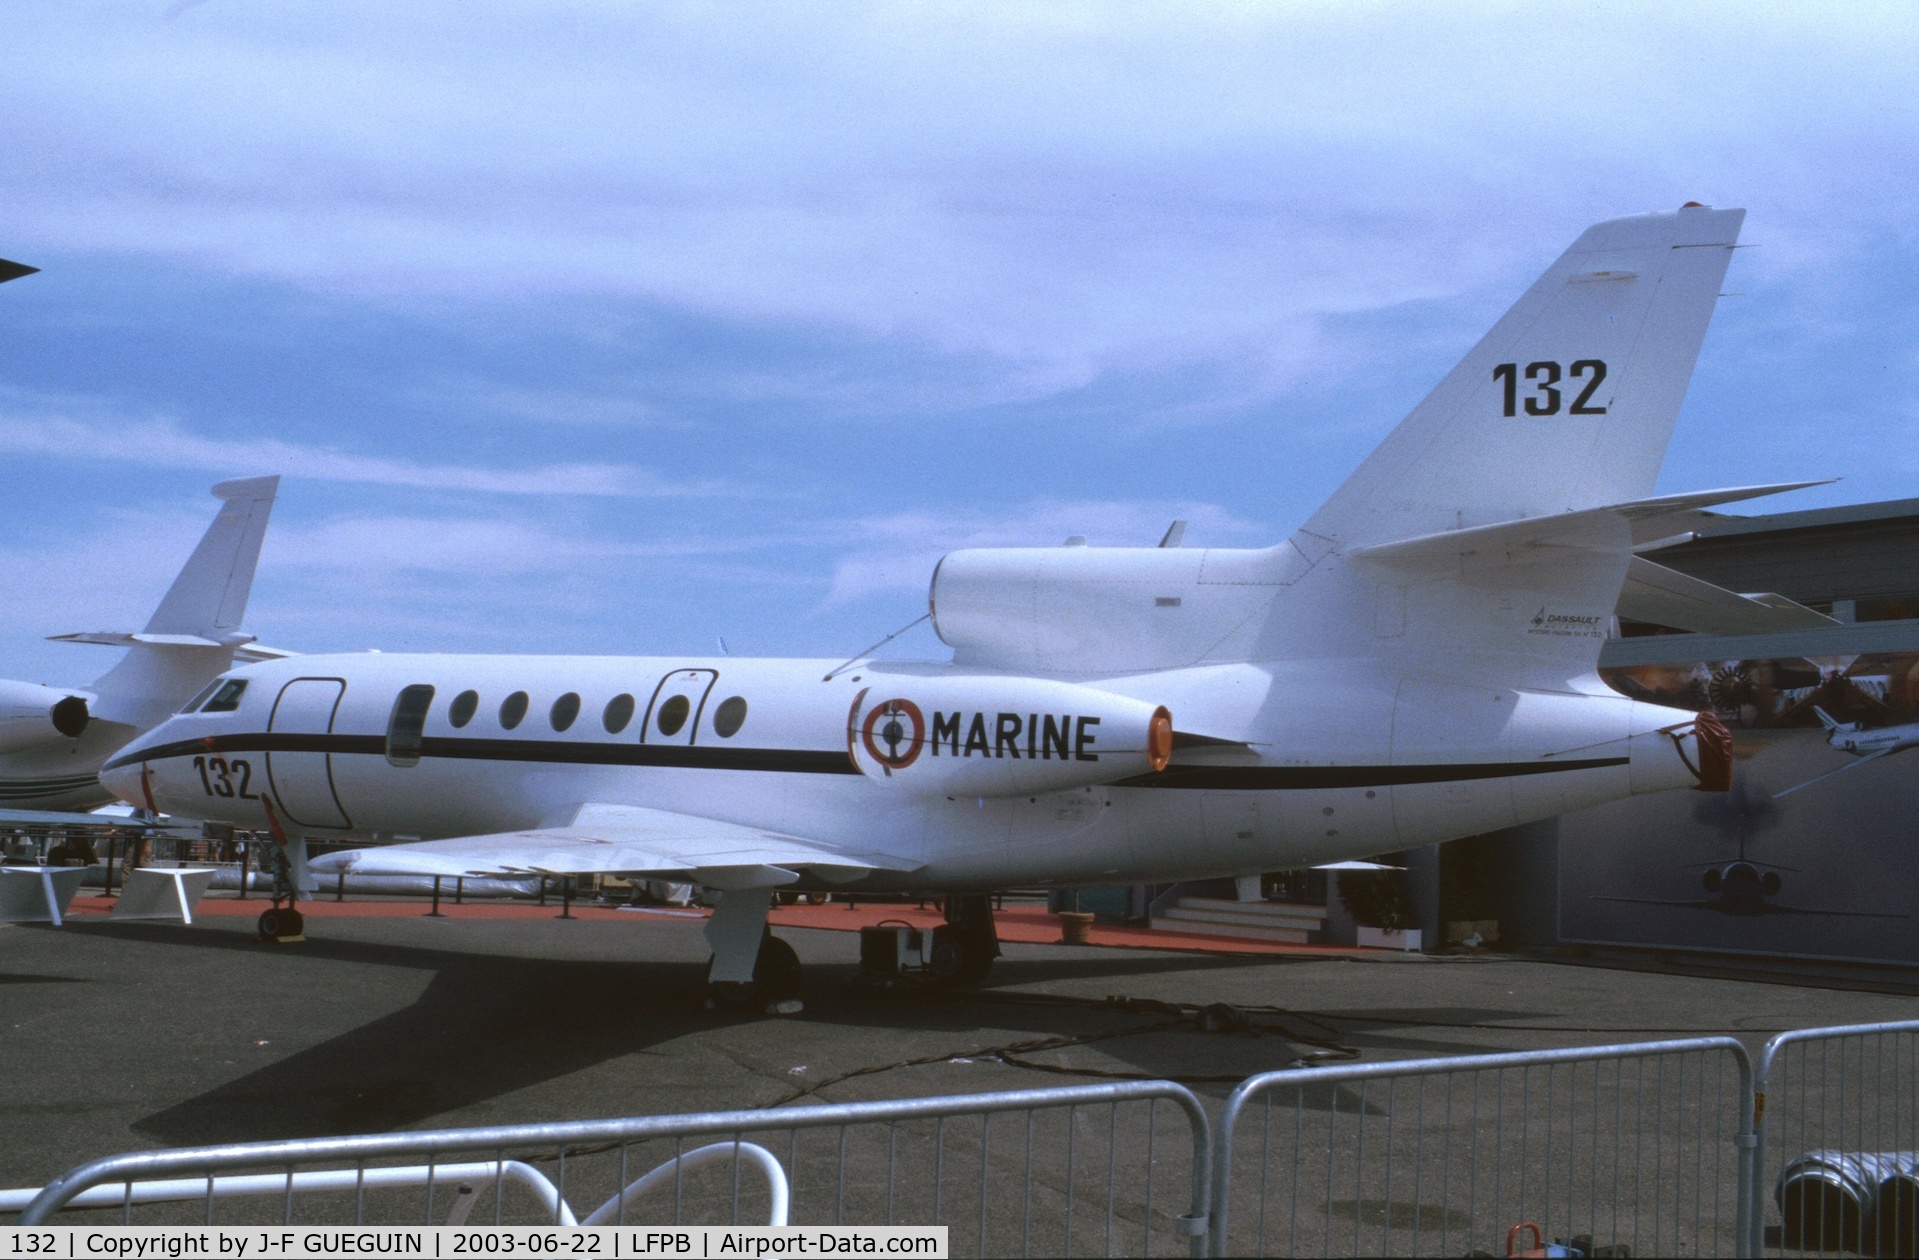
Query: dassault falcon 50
[{"x": 1417, "y": 662}]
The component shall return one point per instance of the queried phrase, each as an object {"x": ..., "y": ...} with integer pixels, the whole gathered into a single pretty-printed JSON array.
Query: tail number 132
[{"x": 1543, "y": 394}]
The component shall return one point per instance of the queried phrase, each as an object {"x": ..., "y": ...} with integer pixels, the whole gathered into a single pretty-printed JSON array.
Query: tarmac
[{"x": 119, "y": 1036}]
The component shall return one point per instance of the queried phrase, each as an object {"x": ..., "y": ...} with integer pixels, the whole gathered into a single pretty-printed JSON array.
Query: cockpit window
[
  {"x": 227, "y": 698},
  {"x": 200, "y": 699}
]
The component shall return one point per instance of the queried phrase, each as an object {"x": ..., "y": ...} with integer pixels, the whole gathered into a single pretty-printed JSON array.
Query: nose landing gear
[{"x": 278, "y": 923}]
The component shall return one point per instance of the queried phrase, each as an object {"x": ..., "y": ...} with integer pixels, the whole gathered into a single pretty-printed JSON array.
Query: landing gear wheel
[
  {"x": 776, "y": 972},
  {"x": 277, "y": 924},
  {"x": 777, "y": 981},
  {"x": 959, "y": 958}
]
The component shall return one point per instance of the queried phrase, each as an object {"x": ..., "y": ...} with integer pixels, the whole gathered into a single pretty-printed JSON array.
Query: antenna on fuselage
[{"x": 857, "y": 656}]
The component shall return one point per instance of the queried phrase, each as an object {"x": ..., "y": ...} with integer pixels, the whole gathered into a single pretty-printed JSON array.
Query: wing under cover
[{"x": 625, "y": 840}]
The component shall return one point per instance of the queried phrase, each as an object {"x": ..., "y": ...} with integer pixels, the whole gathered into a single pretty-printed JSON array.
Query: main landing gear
[
  {"x": 957, "y": 953},
  {"x": 752, "y": 969}
]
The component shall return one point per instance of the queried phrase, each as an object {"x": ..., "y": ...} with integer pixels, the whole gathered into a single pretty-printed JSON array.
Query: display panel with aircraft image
[{"x": 1820, "y": 872}]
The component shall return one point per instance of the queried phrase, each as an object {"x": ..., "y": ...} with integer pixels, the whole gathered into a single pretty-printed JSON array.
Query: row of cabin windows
[
  {"x": 222, "y": 695},
  {"x": 405, "y": 731}
]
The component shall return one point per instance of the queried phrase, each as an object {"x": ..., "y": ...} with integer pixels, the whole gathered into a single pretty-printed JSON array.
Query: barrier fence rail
[
  {"x": 1090, "y": 1169},
  {"x": 1623, "y": 1144},
  {"x": 1838, "y": 1117},
  {"x": 1686, "y": 1147}
]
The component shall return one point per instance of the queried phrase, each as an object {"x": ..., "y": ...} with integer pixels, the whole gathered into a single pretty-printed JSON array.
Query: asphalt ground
[{"x": 126, "y": 1036}]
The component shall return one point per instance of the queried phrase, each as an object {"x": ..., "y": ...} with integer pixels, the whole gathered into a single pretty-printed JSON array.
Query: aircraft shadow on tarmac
[{"x": 488, "y": 1025}]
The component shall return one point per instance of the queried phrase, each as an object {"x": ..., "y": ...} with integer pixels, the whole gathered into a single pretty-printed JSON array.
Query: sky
[{"x": 614, "y": 328}]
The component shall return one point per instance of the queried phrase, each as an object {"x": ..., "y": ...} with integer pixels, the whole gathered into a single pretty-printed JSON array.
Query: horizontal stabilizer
[
  {"x": 127, "y": 639},
  {"x": 622, "y": 840},
  {"x": 1556, "y": 529},
  {"x": 1665, "y": 597}
]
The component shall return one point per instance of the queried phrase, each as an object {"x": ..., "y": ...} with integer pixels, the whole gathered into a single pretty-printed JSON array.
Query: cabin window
[
  {"x": 564, "y": 710},
  {"x": 227, "y": 698},
  {"x": 512, "y": 709},
  {"x": 205, "y": 691},
  {"x": 672, "y": 714},
  {"x": 464, "y": 706},
  {"x": 619, "y": 711},
  {"x": 404, "y": 728},
  {"x": 728, "y": 718}
]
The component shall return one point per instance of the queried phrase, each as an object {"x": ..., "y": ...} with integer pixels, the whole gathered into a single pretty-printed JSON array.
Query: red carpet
[{"x": 1027, "y": 925}]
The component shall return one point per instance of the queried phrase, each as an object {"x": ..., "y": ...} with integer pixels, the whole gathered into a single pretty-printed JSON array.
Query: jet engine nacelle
[
  {"x": 997, "y": 736},
  {"x": 31, "y": 714}
]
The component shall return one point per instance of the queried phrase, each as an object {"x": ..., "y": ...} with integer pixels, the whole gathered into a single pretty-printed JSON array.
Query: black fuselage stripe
[
  {"x": 1298, "y": 778},
  {"x": 560, "y": 752},
  {"x": 807, "y": 761}
]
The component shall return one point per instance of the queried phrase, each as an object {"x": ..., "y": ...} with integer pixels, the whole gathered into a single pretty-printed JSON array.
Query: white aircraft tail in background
[{"x": 53, "y": 740}]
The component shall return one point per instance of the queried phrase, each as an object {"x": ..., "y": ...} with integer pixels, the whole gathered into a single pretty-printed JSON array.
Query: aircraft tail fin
[
  {"x": 1567, "y": 404},
  {"x": 209, "y": 597},
  {"x": 192, "y": 636}
]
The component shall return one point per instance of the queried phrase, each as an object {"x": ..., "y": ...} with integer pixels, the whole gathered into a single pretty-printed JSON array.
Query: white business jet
[
  {"x": 1868, "y": 744},
  {"x": 1416, "y": 663},
  {"x": 53, "y": 740}
]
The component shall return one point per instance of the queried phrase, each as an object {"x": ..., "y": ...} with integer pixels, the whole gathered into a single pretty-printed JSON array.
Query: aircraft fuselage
[{"x": 981, "y": 779}]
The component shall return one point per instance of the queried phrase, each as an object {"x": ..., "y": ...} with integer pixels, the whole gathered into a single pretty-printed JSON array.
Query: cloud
[
  {"x": 1067, "y": 190},
  {"x": 162, "y": 443}
]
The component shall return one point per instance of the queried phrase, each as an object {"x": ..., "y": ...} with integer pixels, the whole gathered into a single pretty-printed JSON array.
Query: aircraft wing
[
  {"x": 1770, "y": 907},
  {"x": 1850, "y": 765},
  {"x": 624, "y": 840},
  {"x": 13, "y": 818}
]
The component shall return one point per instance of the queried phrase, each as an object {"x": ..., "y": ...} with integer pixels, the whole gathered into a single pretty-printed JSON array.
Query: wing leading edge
[{"x": 625, "y": 840}]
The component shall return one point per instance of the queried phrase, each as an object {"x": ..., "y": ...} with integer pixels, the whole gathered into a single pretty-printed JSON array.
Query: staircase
[{"x": 1247, "y": 920}]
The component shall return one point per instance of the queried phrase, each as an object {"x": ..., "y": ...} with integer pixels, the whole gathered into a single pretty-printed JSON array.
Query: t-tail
[
  {"x": 1831, "y": 723},
  {"x": 194, "y": 635},
  {"x": 1490, "y": 534}
]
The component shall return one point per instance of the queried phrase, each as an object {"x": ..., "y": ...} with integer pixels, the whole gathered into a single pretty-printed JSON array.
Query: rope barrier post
[{"x": 434, "y": 913}]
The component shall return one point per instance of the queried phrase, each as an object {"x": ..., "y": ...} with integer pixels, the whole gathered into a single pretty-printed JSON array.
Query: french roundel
[{"x": 894, "y": 732}]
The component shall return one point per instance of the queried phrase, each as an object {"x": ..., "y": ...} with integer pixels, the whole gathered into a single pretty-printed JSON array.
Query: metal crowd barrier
[
  {"x": 1837, "y": 1114},
  {"x": 1661, "y": 1147},
  {"x": 1627, "y": 1144},
  {"x": 1054, "y": 1172}
]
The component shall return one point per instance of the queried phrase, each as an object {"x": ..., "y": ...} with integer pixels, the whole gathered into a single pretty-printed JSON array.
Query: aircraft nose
[{"x": 124, "y": 782}]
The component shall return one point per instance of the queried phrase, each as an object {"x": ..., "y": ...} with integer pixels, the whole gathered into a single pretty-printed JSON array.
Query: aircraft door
[
  {"x": 673, "y": 716},
  {"x": 302, "y": 776}
]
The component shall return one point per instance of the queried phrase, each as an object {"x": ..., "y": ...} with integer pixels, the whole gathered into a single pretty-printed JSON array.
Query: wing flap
[{"x": 624, "y": 840}]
